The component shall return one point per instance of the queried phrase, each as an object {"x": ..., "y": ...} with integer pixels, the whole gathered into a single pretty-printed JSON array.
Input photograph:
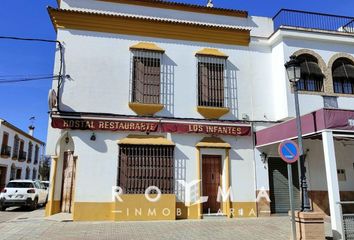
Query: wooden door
[
  {"x": 211, "y": 175},
  {"x": 69, "y": 167},
  {"x": 3, "y": 171}
]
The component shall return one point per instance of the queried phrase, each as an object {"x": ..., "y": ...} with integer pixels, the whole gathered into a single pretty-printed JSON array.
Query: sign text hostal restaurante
[{"x": 151, "y": 126}]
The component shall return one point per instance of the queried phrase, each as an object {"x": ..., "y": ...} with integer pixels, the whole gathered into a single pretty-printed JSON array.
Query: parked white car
[{"x": 26, "y": 193}]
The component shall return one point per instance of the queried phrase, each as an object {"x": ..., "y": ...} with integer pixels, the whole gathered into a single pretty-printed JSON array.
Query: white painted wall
[
  {"x": 97, "y": 164},
  {"x": 105, "y": 87},
  {"x": 7, "y": 162}
]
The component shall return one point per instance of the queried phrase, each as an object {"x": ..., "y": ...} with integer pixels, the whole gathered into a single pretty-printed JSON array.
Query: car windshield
[{"x": 19, "y": 185}]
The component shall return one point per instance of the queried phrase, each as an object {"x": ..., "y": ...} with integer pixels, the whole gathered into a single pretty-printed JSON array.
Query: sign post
[{"x": 289, "y": 152}]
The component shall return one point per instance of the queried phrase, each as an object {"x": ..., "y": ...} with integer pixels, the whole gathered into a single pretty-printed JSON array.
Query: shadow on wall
[
  {"x": 167, "y": 85},
  {"x": 231, "y": 91},
  {"x": 180, "y": 173}
]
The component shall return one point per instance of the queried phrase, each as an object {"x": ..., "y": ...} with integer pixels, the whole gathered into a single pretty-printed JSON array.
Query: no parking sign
[{"x": 289, "y": 151}]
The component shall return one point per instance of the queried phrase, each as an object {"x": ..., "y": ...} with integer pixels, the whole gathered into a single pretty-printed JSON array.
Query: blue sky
[{"x": 29, "y": 18}]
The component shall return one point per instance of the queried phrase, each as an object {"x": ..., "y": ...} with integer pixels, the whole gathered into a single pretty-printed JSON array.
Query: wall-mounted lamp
[
  {"x": 264, "y": 157},
  {"x": 93, "y": 137}
]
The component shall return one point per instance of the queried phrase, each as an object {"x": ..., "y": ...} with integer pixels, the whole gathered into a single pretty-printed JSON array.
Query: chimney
[
  {"x": 210, "y": 3},
  {"x": 31, "y": 130}
]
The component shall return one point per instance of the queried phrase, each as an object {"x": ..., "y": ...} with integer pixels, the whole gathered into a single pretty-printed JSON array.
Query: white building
[
  {"x": 191, "y": 85},
  {"x": 20, "y": 153}
]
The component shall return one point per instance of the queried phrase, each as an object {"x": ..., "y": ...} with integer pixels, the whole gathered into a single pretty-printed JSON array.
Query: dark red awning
[{"x": 334, "y": 119}]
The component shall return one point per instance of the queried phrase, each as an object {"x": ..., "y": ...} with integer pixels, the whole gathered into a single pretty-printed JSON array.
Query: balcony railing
[
  {"x": 5, "y": 151},
  {"x": 313, "y": 21},
  {"x": 22, "y": 156}
]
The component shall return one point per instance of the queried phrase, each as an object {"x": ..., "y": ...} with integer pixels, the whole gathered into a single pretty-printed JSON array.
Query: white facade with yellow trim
[{"x": 104, "y": 42}]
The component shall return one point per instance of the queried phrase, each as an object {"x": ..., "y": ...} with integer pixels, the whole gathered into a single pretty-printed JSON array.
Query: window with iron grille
[
  {"x": 343, "y": 76},
  {"x": 311, "y": 74},
  {"x": 16, "y": 147},
  {"x": 141, "y": 166},
  {"x": 36, "y": 154},
  {"x": 146, "y": 77},
  {"x": 211, "y": 81}
]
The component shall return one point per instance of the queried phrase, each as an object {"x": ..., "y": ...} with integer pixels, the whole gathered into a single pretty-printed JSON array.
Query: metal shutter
[{"x": 278, "y": 184}]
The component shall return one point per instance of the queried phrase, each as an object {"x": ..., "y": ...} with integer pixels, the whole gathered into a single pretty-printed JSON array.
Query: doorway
[
  {"x": 3, "y": 171},
  {"x": 18, "y": 173},
  {"x": 68, "y": 180},
  {"x": 279, "y": 186},
  {"x": 211, "y": 179}
]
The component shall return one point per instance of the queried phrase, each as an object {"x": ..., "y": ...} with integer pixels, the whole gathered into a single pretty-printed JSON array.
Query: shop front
[{"x": 133, "y": 169}]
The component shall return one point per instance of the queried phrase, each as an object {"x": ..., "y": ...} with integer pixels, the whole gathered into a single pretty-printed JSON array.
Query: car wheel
[
  {"x": 34, "y": 204},
  {"x": 2, "y": 208}
]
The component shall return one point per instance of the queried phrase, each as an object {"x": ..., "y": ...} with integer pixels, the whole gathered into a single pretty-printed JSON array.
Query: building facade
[
  {"x": 165, "y": 94},
  {"x": 20, "y": 154}
]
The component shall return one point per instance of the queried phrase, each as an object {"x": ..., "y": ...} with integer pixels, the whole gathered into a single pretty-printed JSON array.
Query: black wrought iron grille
[
  {"x": 141, "y": 166},
  {"x": 211, "y": 74},
  {"x": 146, "y": 77},
  {"x": 312, "y": 20}
]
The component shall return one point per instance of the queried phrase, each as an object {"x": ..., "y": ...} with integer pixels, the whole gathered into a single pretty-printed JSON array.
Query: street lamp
[{"x": 293, "y": 71}]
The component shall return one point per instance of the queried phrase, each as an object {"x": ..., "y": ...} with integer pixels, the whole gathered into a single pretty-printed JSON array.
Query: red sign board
[{"x": 141, "y": 126}]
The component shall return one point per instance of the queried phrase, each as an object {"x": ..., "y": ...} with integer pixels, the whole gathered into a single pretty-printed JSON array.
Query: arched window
[
  {"x": 343, "y": 76},
  {"x": 311, "y": 74}
]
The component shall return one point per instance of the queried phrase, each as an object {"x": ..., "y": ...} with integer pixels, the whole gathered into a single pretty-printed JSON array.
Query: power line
[{"x": 28, "y": 79}]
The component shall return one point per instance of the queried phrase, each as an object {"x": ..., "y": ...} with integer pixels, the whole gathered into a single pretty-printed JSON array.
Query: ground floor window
[{"x": 141, "y": 166}]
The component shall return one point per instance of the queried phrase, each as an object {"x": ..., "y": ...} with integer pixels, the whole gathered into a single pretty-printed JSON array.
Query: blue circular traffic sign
[{"x": 289, "y": 151}]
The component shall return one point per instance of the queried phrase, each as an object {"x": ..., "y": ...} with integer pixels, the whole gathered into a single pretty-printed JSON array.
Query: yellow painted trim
[
  {"x": 51, "y": 207},
  {"x": 213, "y": 52},
  {"x": 199, "y": 190},
  {"x": 147, "y": 46},
  {"x": 135, "y": 207},
  {"x": 226, "y": 207},
  {"x": 183, "y": 7},
  {"x": 212, "y": 112},
  {"x": 187, "y": 212},
  {"x": 139, "y": 26},
  {"x": 244, "y": 209},
  {"x": 145, "y": 109},
  {"x": 146, "y": 140},
  {"x": 93, "y": 211},
  {"x": 212, "y": 142}
]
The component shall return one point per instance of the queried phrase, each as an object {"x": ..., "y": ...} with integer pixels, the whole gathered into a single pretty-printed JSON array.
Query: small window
[
  {"x": 343, "y": 76},
  {"x": 146, "y": 76},
  {"x": 341, "y": 175},
  {"x": 141, "y": 166},
  {"x": 211, "y": 78},
  {"x": 311, "y": 74}
]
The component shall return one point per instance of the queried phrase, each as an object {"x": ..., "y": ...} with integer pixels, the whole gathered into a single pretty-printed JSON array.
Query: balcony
[
  {"x": 302, "y": 20},
  {"x": 5, "y": 151},
  {"x": 22, "y": 156}
]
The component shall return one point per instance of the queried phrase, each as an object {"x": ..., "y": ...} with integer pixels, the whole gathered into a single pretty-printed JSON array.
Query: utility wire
[{"x": 27, "y": 79}]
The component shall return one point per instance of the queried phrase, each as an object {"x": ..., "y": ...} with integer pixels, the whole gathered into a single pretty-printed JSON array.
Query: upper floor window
[
  {"x": 5, "y": 148},
  {"x": 211, "y": 81},
  {"x": 16, "y": 147},
  {"x": 36, "y": 154},
  {"x": 343, "y": 76},
  {"x": 30, "y": 150},
  {"x": 311, "y": 74},
  {"x": 146, "y": 75}
]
